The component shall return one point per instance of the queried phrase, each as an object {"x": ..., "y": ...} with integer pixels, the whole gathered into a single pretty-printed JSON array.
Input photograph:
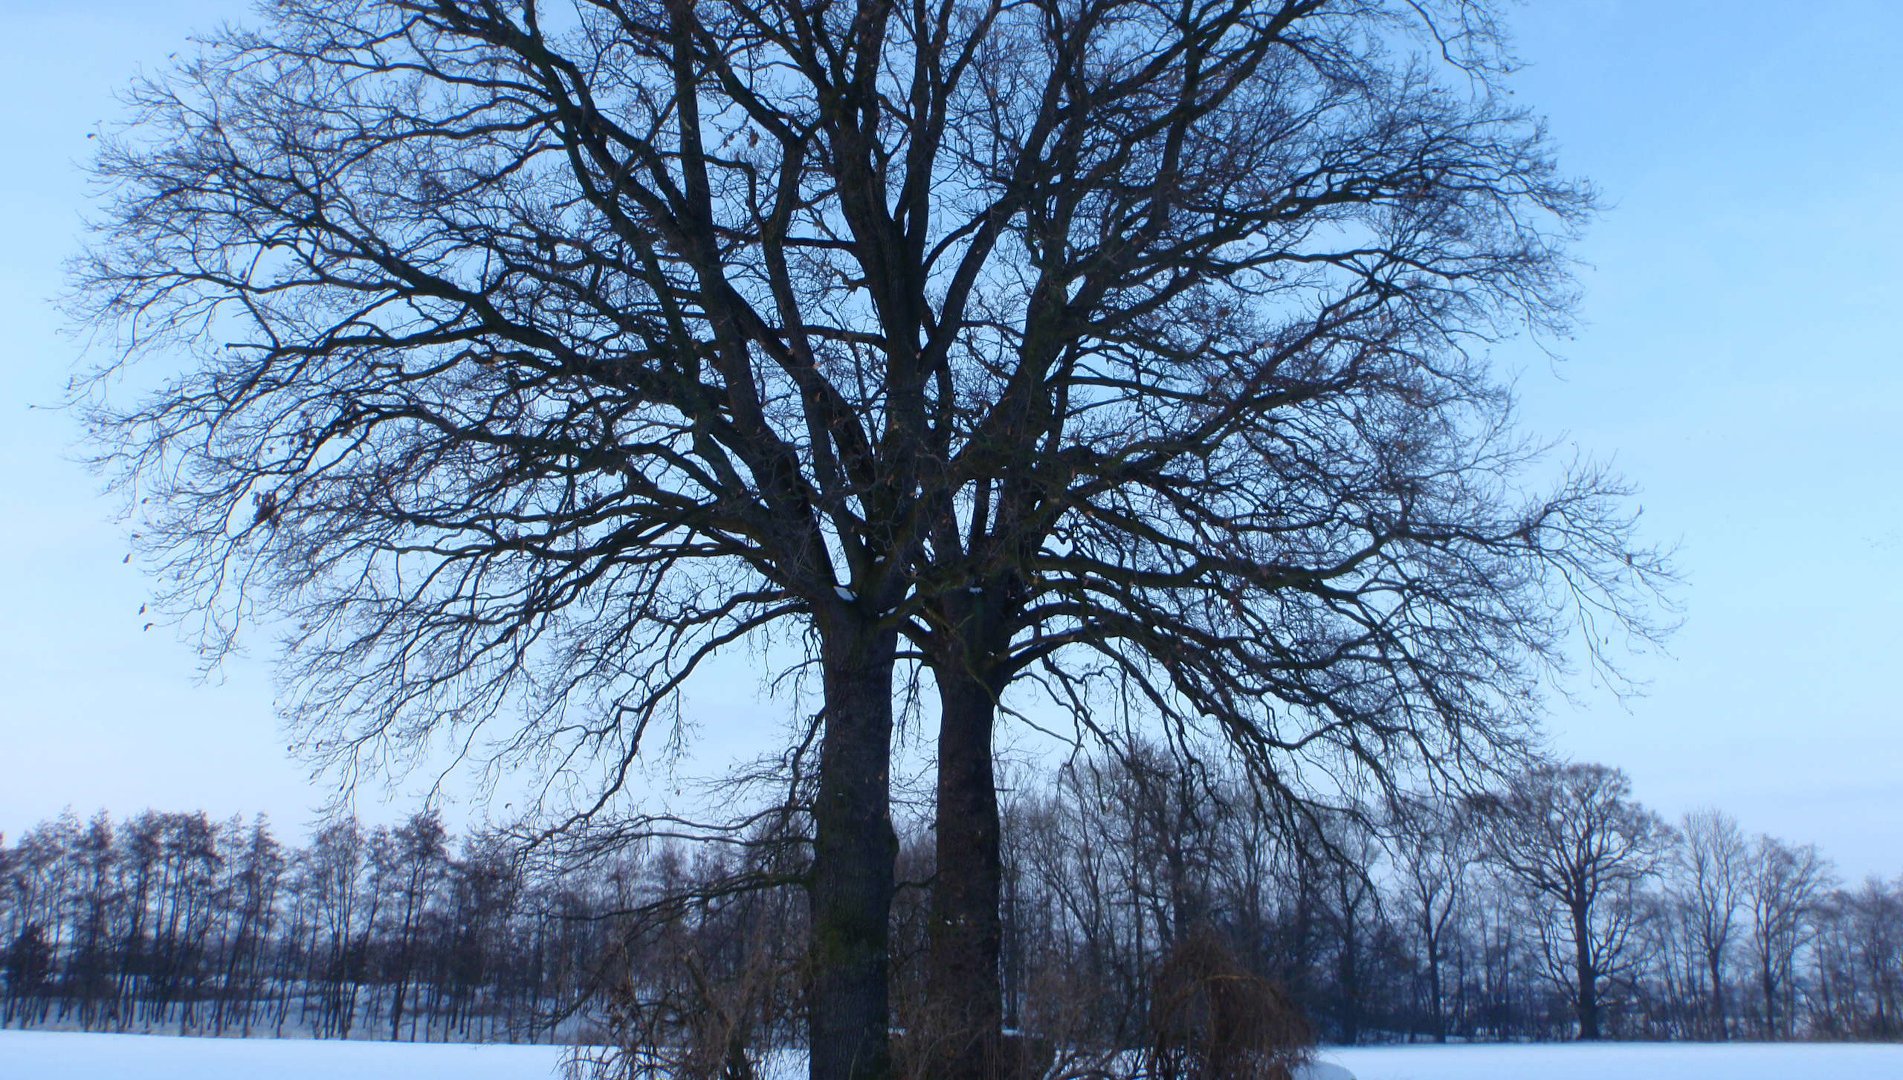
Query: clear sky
[{"x": 1740, "y": 360}]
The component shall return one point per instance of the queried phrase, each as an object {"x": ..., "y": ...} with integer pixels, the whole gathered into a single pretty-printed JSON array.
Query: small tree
[{"x": 1211, "y": 1019}]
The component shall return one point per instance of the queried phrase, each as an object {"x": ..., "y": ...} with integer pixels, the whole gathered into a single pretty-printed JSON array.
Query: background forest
[{"x": 1491, "y": 919}]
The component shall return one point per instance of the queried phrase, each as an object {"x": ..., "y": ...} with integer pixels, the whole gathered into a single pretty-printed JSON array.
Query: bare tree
[
  {"x": 345, "y": 913},
  {"x": 1246, "y": 470},
  {"x": 257, "y": 877},
  {"x": 1858, "y": 951},
  {"x": 1435, "y": 847},
  {"x": 416, "y": 857},
  {"x": 1710, "y": 865},
  {"x": 1574, "y": 838},
  {"x": 1783, "y": 886}
]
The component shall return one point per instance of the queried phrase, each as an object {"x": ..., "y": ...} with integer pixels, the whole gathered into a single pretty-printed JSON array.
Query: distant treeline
[
  {"x": 173, "y": 920},
  {"x": 1557, "y": 906}
]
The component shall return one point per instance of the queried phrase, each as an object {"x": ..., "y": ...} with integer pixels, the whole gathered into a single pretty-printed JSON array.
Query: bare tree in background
[
  {"x": 1434, "y": 847},
  {"x": 689, "y": 956},
  {"x": 415, "y": 856},
  {"x": 1858, "y": 948},
  {"x": 534, "y": 355},
  {"x": 1710, "y": 866},
  {"x": 1783, "y": 886},
  {"x": 1573, "y": 837}
]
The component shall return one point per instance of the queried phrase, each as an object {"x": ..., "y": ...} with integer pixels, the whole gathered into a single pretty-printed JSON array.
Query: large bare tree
[
  {"x": 519, "y": 357},
  {"x": 530, "y": 359}
]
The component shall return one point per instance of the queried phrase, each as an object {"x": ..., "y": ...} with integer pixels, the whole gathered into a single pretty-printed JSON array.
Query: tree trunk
[
  {"x": 1768, "y": 986},
  {"x": 854, "y": 849},
  {"x": 1588, "y": 978},
  {"x": 396, "y": 1010},
  {"x": 1721, "y": 1028},
  {"x": 1349, "y": 979},
  {"x": 964, "y": 989}
]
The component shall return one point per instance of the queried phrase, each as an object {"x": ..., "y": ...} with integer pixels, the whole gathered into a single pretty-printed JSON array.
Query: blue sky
[{"x": 1738, "y": 359}]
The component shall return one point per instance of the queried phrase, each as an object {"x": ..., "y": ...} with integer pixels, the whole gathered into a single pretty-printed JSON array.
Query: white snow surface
[
  {"x": 63, "y": 1055},
  {"x": 47, "y": 1055},
  {"x": 1622, "y": 1061}
]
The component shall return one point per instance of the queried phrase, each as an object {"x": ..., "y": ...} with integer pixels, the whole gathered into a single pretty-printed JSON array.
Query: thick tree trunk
[
  {"x": 964, "y": 988},
  {"x": 854, "y": 849}
]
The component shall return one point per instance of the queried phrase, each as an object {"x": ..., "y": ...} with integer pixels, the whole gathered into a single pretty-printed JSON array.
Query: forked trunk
[{"x": 854, "y": 849}]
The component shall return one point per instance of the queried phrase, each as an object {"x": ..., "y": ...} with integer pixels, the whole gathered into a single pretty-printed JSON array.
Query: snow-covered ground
[
  {"x": 38, "y": 1055},
  {"x": 1623, "y": 1061},
  {"x": 60, "y": 1055}
]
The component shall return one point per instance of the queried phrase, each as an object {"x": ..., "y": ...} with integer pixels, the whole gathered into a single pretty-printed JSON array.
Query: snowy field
[
  {"x": 60, "y": 1055},
  {"x": 36, "y": 1055},
  {"x": 1622, "y": 1061}
]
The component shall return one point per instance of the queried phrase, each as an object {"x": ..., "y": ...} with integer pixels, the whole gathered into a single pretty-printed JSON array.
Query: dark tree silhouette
[
  {"x": 534, "y": 355},
  {"x": 539, "y": 356}
]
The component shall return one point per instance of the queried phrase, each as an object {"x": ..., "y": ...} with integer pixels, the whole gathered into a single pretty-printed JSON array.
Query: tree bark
[
  {"x": 854, "y": 849},
  {"x": 964, "y": 982}
]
